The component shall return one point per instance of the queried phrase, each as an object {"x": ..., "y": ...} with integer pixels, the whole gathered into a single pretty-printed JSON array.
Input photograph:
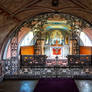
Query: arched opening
[{"x": 49, "y": 43}]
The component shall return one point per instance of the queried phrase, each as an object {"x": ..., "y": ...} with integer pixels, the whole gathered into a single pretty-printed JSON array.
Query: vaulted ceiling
[{"x": 14, "y": 12}]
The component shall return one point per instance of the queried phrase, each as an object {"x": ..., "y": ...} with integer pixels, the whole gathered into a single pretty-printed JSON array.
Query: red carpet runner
[{"x": 56, "y": 85}]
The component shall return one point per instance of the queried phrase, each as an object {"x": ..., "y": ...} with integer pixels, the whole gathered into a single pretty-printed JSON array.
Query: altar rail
[
  {"x": 38, "y": 68},
  {"x": 54, "y": 72},
  {"x": 27, "y": 77}
]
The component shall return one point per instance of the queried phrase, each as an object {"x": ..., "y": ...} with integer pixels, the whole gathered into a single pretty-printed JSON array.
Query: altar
[
  {"x": 61, "y": 51},
  {"x": 56, "y": 50}
]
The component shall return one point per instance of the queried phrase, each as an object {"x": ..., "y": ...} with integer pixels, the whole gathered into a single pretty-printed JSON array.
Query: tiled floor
[
  {"x": 29, "y": 85},
  {"x": 84, "y": 85},
  {"x": 18, "y": 86}
]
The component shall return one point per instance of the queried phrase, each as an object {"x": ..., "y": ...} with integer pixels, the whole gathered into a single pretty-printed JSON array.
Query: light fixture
[{"x": 55, "y": 3}]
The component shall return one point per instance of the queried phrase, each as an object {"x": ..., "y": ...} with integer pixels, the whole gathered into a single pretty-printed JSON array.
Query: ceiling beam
[
  {"x": 8, "y": 14},
  {"x": 28, "y": 5}
]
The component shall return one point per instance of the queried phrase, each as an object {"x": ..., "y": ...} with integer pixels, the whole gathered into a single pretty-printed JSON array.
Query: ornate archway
[{"x": 52, "y": 29}]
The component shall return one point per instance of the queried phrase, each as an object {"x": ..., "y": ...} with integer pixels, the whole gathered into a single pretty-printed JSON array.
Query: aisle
[{"x": 56, "y": 85}]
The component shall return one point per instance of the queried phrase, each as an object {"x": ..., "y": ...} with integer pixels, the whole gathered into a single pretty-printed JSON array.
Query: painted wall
[
  {"x": 85, "y": 50},
  {"x": 27, "y": 50},
  {"x": 85, "y": 40},
  {"x": 27, "y": 40}
]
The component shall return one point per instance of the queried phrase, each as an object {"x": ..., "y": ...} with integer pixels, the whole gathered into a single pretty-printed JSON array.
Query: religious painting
[
  {"x": 56, "y": 35},
  {"x": 56, "y": 51}
]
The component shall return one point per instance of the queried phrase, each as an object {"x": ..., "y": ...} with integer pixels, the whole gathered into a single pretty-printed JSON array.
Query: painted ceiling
[
  {"x": 57, "y": 25},
  {"x": 14, "y": 12}
]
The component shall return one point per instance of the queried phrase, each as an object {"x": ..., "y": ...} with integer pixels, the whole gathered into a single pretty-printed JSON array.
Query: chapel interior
[{"x": 45, "y": 46}]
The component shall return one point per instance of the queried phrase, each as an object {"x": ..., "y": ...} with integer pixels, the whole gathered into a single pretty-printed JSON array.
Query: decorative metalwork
[
  {"x": 84, "y": 60},
  {"x": 73, "y": 70},
  {"x": 32, "y": 60},
  {"x": 52, "y": 72},
  {"x": 13, "y": 62},
  {"x": 76, "y": 42}
]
